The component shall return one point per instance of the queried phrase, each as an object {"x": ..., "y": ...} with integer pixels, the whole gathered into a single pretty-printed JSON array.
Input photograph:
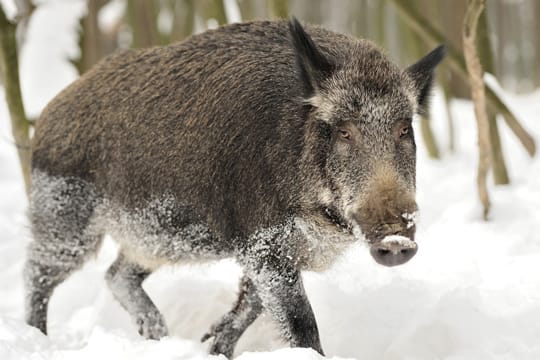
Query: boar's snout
[
  {"x": 393, "y": 250},
  {"x": 387, "y": 217},
  {"x": 393, "y": 244}
]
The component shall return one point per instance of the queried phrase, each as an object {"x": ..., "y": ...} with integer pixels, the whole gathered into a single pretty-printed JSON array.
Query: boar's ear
[
  {"x": 422, "y": 74},
  {"x": 314, "y": 67}
]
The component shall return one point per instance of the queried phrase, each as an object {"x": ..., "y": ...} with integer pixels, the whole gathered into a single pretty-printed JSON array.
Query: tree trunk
[
  {"x": 445, "y": 84},
  {"x": 89, "y": 38},
  {"x": 414, "y": 49},
  {"x": 476, "y": 74},
  {"x": 9, "y": 64},
  {"x": 212, "y": 9},
  {"x": 246, "y": 10},
  {"x": 142, "y": 19},
  {"x": 537, "y": 43},
  {"x": 310, "y": 10},
  {"x": 429, "y": 138},
  {"x": 450, "y": 19},
  {"x": 278, "y": 8},
  {"x": 184, "y": 18},
  {"x": 500, "y": 173},
  {"x": 380, "y": 13}
]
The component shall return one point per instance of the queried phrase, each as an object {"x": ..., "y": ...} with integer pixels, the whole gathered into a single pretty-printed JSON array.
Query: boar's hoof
[
  {"x": 393, "y": 250},
  {"x": 223, "y": 340},
  {"x": 152, "y": 326}
]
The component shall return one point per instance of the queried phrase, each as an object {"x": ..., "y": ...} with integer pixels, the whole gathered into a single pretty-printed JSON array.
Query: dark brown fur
[{"x": 175, "y": 120}]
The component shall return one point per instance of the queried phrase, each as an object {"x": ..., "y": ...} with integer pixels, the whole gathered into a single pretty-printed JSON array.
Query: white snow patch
[
  {"x": 398, "y": 240},
  {"x": 411, "y": 218},
  {"x": 52, "y": 41}
]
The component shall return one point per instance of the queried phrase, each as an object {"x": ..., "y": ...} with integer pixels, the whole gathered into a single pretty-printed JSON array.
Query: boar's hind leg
[
  {"x": 60, "y": 215},
  {"x": 125, "y": 281},
  {"x": 232, "y": 325},
  {"x": 282, "y": 293}
]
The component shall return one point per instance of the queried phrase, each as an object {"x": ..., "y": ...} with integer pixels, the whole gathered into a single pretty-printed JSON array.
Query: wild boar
[{"x": 265, "y": 141}]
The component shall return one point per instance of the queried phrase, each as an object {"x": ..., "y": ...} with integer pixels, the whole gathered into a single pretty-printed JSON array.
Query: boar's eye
[
  {"x": 344, "y": 134},
  {"x": 347, "y": 132},
  {"x": 404, "y": 130}
]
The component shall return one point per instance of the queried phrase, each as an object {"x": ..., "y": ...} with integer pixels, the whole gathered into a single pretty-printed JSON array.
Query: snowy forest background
[{"x": 473, "y": 290}]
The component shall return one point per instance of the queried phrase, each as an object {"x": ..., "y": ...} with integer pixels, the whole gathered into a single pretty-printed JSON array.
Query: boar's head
[{"x": 359, "y": 135}]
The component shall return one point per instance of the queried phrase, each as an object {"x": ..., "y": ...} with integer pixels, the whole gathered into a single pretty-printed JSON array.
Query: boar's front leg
[
  {"x": 232, "y": 325},
  {"x": 125, "y": 280},
  {"x": 279, "y": 285}
]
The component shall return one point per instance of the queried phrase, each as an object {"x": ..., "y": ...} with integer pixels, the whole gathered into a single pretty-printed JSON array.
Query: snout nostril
[
  {"x": 383, "y": 252},
  {"x": 394, "y": 253}
]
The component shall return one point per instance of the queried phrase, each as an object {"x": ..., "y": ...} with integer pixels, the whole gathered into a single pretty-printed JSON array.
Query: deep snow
[{"x": 471, "y": 292}]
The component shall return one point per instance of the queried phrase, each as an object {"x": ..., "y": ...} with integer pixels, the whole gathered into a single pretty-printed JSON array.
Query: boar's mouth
[
  {"x": 390, "y": 244},
  {"x": 333, "y": 217}
]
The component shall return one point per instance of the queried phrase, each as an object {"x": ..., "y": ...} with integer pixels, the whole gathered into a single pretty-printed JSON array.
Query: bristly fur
[{"x": 270, "y": 142}]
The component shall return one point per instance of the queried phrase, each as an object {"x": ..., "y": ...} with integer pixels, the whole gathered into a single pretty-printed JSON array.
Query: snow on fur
[{"x": 393, "y": 240}]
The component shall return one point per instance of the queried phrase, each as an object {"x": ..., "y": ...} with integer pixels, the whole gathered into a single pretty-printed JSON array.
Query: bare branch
[{"x": 476, "y": 76}]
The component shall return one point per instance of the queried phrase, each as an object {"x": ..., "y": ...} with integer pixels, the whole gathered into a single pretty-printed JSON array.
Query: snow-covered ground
[{"x": 472, "y": 291}]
